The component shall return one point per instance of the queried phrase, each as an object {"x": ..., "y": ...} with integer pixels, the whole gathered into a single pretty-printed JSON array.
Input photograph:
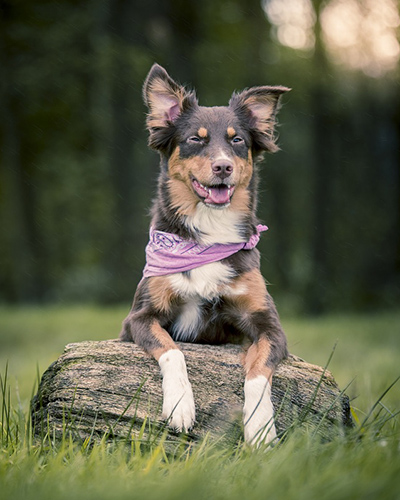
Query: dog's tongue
[{"x": 218, "y": 195}]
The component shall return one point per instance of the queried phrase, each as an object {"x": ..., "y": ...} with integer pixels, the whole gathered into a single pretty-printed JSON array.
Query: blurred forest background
[{"x": 77, "y": 178}]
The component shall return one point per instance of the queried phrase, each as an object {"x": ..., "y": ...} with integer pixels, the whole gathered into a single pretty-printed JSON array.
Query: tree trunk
[{"x": 113, "y": 387}]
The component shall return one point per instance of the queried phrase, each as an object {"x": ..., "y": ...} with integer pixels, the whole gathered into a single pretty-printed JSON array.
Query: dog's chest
[
  {"x": 195, "y": 288},
  {"x": 210, "y": 281},
  {"x": 204, "y": 282}
]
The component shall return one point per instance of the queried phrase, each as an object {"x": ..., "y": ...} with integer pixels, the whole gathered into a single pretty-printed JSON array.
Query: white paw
[
  {"x": 258, "y": 412},
  {"x": 178, "y": 402}
]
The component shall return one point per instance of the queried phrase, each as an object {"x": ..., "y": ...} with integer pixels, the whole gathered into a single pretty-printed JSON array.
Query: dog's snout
[{"x": 222, "y": 168}]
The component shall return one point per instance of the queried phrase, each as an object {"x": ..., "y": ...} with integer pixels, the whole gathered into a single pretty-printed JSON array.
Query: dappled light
[
  {"x": 294, "y": 21},
  {"x": 359, "y": 34},
  {"x": 362, "y": 34}
]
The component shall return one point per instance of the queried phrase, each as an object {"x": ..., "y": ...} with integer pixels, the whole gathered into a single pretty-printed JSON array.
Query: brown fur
[
  {"x": 182, "y": 197},
  {"x": 245, "y": 169},
  {"x": 165, "y": 341},
  {"x": 161, "y": 294},
  {"x": 255, "y": 359},
  {"x": 183, "y": 168},
  {"x": 253, "y": 297},
  {"x": 202, "y": 132},
  {"x": 241, "y": 200}
]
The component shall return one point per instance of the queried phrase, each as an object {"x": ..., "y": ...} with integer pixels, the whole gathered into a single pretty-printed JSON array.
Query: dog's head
[{"x": 209, "y": 150}]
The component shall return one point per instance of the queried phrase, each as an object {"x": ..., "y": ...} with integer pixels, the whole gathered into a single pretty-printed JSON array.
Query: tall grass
[{"x": 363, "y": 463}]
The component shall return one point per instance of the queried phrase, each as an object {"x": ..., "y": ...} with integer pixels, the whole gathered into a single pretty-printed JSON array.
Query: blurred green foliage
[{"x": 77, "y": 178}]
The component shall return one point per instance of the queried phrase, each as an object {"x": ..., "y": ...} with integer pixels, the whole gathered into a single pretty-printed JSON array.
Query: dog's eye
[
  {"x": 194, "y": 138},
  {"x": 237, "y": 140}
]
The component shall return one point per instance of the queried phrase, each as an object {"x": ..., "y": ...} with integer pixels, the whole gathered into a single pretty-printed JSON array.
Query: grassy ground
[{"x": 363, "y": 465}]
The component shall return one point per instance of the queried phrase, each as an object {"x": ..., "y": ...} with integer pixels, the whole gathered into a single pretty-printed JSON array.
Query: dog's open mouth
[{"x": 219, "y": 194}]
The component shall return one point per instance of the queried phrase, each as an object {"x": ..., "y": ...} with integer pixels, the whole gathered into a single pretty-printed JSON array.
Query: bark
[{"x": 112, "y": 387}]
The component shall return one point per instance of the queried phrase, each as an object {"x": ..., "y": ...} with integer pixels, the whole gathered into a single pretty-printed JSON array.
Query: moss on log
[{"x": 113, "y": 387}]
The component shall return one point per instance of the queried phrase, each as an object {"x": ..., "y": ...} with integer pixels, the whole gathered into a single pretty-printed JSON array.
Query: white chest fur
[
  {"x": 204, "y": 281},
  {"x": 215, "y": 225},
  {"x": 185, "y": 327}
]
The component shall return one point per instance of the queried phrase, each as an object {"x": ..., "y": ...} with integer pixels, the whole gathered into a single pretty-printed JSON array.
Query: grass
[{"x": 361, "y": 465}]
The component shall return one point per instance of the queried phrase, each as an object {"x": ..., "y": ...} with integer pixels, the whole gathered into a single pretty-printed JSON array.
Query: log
[{"x": 113, "y": 388}]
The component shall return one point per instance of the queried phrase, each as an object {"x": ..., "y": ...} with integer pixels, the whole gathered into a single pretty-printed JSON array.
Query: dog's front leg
[
  {"x": 257, "y": 318},
  {"x": 258, "y": 412},
  {"x": 144, "y": 328},
  {"x": 178, "y": 402}
]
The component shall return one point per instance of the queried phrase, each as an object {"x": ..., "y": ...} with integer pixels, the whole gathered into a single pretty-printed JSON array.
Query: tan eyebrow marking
[
  {"x": 202, "y": 132},
  {"x": 231, "y": 131}
]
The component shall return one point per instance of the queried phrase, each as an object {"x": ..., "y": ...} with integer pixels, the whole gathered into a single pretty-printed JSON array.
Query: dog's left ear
[{"x": 259, "y": 106}]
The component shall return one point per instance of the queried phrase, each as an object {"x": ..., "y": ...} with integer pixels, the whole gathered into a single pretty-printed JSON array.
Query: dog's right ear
[
  {"x": 259, "y": 106},
  {"x": 165, "y": 99}
]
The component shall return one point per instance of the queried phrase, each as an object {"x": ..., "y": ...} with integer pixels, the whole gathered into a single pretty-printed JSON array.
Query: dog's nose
[{"x": 222, "y": 168}]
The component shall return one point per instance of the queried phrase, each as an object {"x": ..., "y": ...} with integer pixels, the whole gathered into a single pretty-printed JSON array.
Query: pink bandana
[{"x": 167, "y": 253}]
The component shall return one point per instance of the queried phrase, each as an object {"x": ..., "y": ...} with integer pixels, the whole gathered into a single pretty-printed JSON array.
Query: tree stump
[{"x": 112, "y": 387}]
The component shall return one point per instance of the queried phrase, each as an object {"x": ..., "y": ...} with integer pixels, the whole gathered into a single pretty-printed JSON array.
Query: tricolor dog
[{"x": 202, "y": 280}]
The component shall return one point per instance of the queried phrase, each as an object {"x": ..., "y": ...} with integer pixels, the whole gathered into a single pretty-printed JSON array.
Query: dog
[{"x": 202, "y": 280}]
